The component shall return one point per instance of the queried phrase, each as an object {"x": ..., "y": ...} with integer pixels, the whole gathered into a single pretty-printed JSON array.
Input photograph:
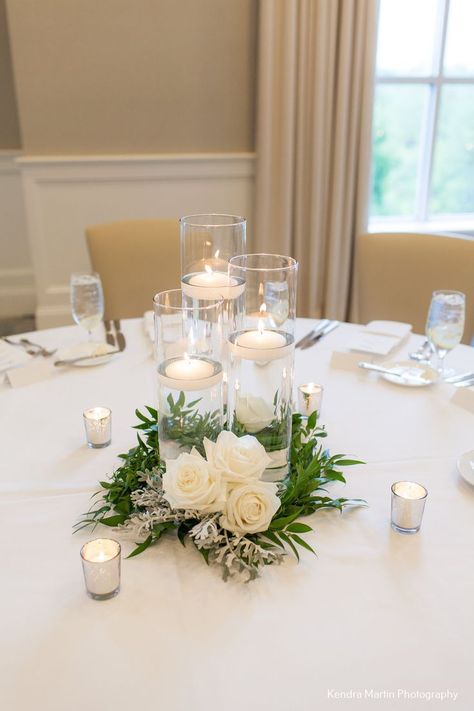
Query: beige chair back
[
  {"x": 397, "y": 273},
  {"x": 135, "y": 259}
]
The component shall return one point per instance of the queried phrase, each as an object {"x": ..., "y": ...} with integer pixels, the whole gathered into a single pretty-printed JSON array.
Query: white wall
[
  {"x": 63, "y": 195},
  {"x": 17, "y": 291}
]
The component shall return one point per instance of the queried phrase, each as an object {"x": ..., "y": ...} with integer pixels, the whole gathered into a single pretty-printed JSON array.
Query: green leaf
[
  {"x": 113, "y": 520},
  {"x": 303, "y": 543},
  {"x": 298, "y": 528},
  {"x": 141, "y": 547},
  {"x": 288, "y": 540}
]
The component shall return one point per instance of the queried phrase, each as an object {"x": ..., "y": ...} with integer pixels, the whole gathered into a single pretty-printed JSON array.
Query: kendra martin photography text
[{"x": 398, "y": 694}]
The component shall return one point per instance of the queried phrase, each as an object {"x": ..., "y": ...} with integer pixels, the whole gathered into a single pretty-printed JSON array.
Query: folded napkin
[
  {"x": 12, "y": 356},
  {"x": 379, "y": 337},
  {"x": 149, "y": 325},
  {"x": 464, "y": 397}
]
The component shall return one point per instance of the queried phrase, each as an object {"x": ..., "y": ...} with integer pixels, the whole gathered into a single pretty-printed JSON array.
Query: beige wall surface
[
  {"x": 134, "y": 76},
  {"x": 9, "y": 130}
]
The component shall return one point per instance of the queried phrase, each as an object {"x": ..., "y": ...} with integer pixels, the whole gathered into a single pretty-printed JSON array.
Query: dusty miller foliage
[{"x": 132, "y": 500}]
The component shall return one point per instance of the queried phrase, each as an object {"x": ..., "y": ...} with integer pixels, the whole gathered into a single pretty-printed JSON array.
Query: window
[{"x": 423, "y": 124}]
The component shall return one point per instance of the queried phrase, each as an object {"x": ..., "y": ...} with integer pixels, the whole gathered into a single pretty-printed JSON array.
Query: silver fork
[{"x": 28, "y": 349}]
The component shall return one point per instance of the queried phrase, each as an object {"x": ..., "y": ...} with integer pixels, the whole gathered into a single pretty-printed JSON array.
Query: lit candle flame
[
  {"x": 263, "y": 309},
  {"x": 216, "y": 256},
  {"x": 208, "y": 269}
]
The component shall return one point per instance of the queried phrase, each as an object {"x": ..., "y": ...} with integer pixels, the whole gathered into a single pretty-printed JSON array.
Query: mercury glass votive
[
  {"x": 408, "y": 504},
  {"x": 101, "y": 567},
  {"x": 98, "y": 424},
  {"x": 310, "y": 397}
]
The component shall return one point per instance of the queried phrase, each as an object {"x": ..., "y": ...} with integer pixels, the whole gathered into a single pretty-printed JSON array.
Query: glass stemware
[
  {"x": 445, "y": 324},
  {"x": 87, "y": 301}
]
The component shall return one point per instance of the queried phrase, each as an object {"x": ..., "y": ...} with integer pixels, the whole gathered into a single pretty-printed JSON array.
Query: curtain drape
[{"x": 314, "y": 108}]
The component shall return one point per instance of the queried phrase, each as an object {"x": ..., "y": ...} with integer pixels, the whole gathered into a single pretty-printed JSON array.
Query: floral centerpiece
[{"x": 215, "y": 497}]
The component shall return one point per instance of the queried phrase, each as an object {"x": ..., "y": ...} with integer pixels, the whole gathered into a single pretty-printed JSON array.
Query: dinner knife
[
  {"x": 317, "y": 329},
  {"x": 109, "y": 336},
  {"x": 330, "y": 327},
  {"x": 120, "y": 337},
  {"x": 455, "y": 379}
]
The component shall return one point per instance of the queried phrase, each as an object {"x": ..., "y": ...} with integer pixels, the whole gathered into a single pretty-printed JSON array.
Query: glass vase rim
[
  {"x": 449, "y": 291},
  {"x": 187, "y": 219},
  {"x": 214, "y": 304},
  {"x": 85, "y": 272},
  {"x": 293, "y": 263},
  {"x": 404, "y": 481},
  {"x": 100, "y": 562}
]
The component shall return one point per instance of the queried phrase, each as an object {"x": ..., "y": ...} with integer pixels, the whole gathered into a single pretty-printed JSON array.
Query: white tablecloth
[{"x": 375, "y": 612}]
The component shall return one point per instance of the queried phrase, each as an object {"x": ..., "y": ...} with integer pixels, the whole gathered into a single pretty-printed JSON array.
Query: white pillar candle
[
  {"x": 209, "y": 285},
  {"x": 408, "y": 503},
  {"x": 190, "y": 373},
  {"x": 98, "y": 424},
  {"x": 261, "y": 344},
  {"x": 101, "y": 567}
]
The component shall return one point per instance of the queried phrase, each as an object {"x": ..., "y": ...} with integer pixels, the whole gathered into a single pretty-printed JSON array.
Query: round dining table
[{"x": 375, "y": 619}]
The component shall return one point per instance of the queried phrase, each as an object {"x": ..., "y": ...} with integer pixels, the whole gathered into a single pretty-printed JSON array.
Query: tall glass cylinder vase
[
  {"x": 261, "y": 353},
  {"x": 207, "y": 244},
  {"x": 188, "y": 348}
]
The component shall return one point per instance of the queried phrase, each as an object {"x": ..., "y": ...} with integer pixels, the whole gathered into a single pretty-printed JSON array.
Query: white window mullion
[{"x": 430, "y": 122}]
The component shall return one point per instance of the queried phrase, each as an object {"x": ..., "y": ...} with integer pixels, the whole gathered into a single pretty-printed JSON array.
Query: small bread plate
[
  {"x": 100, "y": 353},
  {"x": 410, "y": 374},
  {"x": 465, "y": 465}
]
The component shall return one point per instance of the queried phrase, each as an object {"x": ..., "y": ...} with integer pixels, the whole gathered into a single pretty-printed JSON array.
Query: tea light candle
[
  {"x": 98, "y": 424},
  {"x": 408, "y": 504},
  {"x": 190, "y": 373},
  {"x": 101, "y": 567},
  {"x": 310, "y": 397},
  {"x": 209, "y": 285}
]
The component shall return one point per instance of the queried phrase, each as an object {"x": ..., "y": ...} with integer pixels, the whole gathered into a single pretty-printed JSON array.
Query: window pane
[
  {"x": 453, "y": 168},
  {"x": 459, "y": 52},
  {"x": 406, "y": 37},
  {"x": 398, "y": 114}
]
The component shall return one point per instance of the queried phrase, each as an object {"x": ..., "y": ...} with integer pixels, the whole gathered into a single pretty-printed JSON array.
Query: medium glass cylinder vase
[
  {"x": 261, "y": 355},
  {"x": 188, "y": 348}
]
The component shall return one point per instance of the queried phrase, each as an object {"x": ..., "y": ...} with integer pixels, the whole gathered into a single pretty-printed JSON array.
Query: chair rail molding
[
  {"x": 17, "y": 288},
  {"x": 65, "y": 194}
]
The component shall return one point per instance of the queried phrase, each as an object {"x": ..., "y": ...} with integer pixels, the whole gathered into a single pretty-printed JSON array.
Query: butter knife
[
  {"x": 109, "y": 336},
  {"x": 71, "y": 361},
  {"x": 119, "y": 335},
  {"x": 320, "y": 326}
]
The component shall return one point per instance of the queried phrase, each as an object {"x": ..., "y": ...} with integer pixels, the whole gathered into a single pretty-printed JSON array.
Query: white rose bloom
[
  {"x": 254, "y": 413},
  {"x": 238, "y": 459},
  {"x": 190, "y": 483},
  {"x": 250, "y": 507}
]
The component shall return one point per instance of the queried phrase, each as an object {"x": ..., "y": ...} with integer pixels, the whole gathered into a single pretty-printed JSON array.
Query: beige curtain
[{"x": 316, "y": 60}]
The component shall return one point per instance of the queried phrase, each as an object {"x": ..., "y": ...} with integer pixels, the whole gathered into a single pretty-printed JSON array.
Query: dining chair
[
  {"x": 396, "y": 274},
  {"x": 135, "y": 260}
]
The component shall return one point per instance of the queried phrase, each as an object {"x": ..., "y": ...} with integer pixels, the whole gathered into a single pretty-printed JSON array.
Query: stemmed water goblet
[
  {"x": 445, "y": 325},
  {"x": 87, "y": 301}
]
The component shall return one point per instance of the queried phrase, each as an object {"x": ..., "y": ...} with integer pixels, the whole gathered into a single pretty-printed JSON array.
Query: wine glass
[
  {"x": 445, "y": 324},
  {"x": 87, "y": 301}
]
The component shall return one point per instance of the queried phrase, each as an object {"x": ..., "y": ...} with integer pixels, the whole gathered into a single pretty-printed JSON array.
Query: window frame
[{"x": 435, "y": 82}]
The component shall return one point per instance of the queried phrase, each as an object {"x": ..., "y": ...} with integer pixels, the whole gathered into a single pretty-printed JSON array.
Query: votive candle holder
[
  {"x": 101, "y": 567},
  {"x": 98, "y": 425},
  {"x": 310, "y": 396},
  {"x": 408, "y": 505}
]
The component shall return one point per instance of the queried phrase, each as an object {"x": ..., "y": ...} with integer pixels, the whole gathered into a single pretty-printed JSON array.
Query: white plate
[
  {"x": 411, "y": 374},
  {"x": 465, "y": 466},
  {"x": 79, "y": 350}
]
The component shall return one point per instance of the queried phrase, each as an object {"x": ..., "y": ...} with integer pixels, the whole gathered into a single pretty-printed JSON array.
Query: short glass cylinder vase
[
  {"x": 261, "y": 356},
  {"x": 207, "y": 244},
  {"x": 188, "y": 353}
]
